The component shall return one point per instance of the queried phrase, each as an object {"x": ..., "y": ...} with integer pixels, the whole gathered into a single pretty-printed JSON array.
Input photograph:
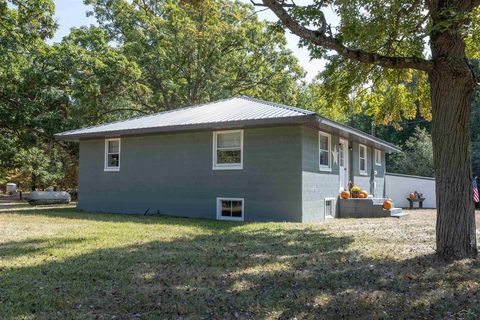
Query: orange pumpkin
[
  {"x": 387, "y": 204},
  {"x": 412, "y": 195},
  {"x": 361, "y": 195},
  {"x": 365, "y": 193},
  {"x": 345, "y": 194}
]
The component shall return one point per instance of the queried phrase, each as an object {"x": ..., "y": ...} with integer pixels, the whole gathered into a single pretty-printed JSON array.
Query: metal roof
[
  {"x": 358, "y": 135},
  {"x": 227, "y": 110},
  {"x": 228, "y": 113}
]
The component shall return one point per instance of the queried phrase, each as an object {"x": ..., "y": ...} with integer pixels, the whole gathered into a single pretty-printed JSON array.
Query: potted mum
[{"x": 355, "y": 191}]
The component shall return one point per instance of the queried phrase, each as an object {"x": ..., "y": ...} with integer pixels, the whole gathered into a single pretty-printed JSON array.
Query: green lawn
[{"x": 61, "y": 263}]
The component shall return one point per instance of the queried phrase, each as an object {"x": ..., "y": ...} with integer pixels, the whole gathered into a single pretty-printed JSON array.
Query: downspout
[
  {"x": 372, "y": 166},
  {"x": 351, "y": 173},
  {"x": 372, "y": 172}
]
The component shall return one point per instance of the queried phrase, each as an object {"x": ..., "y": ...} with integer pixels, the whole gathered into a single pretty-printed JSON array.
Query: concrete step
[
  {"x": 397, "y": 213},
  {"x": 360, "y": 208},
  {"x": 378, "y": 201}
]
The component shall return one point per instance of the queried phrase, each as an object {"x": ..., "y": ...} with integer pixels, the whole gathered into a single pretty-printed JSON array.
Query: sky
[{"x": 72, "y": 13}]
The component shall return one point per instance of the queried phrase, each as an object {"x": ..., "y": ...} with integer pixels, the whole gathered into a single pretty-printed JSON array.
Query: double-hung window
[
  {"x": 228, "y": 150},
  {"x": 378, "y": 157},
  {"x": 362, "y": 157},
  {"x": 112, "y": 154},
  {"x": 324, "y": 146},
  {"x": 230, "y": 209}
]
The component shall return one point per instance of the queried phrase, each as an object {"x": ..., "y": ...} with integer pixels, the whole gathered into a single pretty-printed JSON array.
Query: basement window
[
  {"x": 112, "y": 154},
  {"x": 329, "y": 208},
  {"x": 230, "y": 209}
]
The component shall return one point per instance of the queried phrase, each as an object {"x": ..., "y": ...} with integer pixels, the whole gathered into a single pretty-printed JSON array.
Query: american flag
[{"x": 476, "y": 198}]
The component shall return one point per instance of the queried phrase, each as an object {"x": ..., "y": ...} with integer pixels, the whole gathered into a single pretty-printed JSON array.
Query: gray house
[{"x": 234, "y": 159}]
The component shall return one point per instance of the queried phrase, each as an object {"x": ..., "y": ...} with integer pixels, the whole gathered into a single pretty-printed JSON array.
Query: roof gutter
[{"x": 358, "y": 133}]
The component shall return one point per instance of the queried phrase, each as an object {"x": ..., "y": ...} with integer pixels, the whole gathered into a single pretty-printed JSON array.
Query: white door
[{"x": 343, "y": 164}]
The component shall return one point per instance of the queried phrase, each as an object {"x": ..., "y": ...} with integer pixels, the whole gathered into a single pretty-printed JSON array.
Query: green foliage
[
  {"x": 416, "y": 157},
  {"x": 99, "y": 80},
  {"x": 472, "y": 39},
  {"x": 388, "y": 96},
  {"x": 313, "y": 98},
  {"x": 384, "y": 27},
  {"x": 36, "y": 169},
  {"x": 475, "y": 124},
  {"x": 27, "y": 106},
  {"x": 196, "y": 51},
  {"x": 387, "y": 28}
]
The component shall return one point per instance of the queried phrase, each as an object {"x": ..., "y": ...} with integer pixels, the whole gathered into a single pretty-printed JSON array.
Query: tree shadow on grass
[
  {"x": 281, "y": 273},
  {"x": 34, "y": 246},
  {"x": 76, "y": 214}
]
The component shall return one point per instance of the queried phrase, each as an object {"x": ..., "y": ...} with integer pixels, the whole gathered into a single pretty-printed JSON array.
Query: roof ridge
[
  {"x": 278, "y": 105},
  {"x": 147, "y": 115},
  {"x": 307, "y": 112}
]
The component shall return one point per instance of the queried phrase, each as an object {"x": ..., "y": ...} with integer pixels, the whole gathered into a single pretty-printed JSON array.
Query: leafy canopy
[
  {"x": 196, "y": 51},
  {"x": 416, "y": 157},
  {"x": 379, "y": 51}
]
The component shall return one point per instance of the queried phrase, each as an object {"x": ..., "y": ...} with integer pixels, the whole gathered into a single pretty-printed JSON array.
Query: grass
[{"x": 58, "y": 263}]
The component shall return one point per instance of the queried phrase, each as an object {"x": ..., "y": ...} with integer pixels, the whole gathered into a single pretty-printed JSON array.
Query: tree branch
[
  {"x": 329, "y": 42},
  {"x": 283, "y": 4},
  {"x": 103, "y": 114}
]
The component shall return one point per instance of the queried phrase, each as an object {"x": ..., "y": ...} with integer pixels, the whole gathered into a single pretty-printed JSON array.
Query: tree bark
[
  {"x": 34, "y": 182},
  {"x": 452, "y": 83}
]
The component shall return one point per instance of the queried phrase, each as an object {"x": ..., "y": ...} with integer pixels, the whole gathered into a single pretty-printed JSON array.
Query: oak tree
[
  {"x": 379, "y": 46},
  {"x": 191, "y": 52}
]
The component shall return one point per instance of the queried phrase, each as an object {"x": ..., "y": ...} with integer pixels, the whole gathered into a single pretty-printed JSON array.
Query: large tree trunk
[{"x": 452, "y": 84}]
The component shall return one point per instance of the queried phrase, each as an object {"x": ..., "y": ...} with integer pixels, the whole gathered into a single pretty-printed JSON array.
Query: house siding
[
  {"x": 316, "y": 185},
  {"x": 364, "y": 181},
  {"x": 172, "y": 174}
]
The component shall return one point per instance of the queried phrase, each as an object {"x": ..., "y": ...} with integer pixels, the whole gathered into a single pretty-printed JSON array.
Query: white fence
[{"x": 399, "y": 186}]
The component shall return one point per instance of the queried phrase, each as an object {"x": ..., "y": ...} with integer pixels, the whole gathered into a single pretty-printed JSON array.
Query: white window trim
[
  {"x": 333, "y": 208},
  {"x": 380, "y": 153},
  {"x": 227, "y": 166},
  {"x": 362, "y": 172},
  {"x": 320, "y": 166},
  {"x": 106, "y": 167},
  {"x": 219, "y": 209}
]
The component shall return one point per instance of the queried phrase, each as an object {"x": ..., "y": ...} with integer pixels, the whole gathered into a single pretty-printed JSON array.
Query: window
[
  {"x": 112, "y": 154},
  {"x": 362, "y": 154},
  {"x": 324, "y": 151},
  {"x": 329, "y": 207},
  {"x": 230, "y": 209},
  {"x": 378, "y": 157},
  {"x": 228, "y": 150}
]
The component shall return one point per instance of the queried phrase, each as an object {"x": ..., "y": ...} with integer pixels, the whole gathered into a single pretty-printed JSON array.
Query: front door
[{"x": 343, "y": 164}]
